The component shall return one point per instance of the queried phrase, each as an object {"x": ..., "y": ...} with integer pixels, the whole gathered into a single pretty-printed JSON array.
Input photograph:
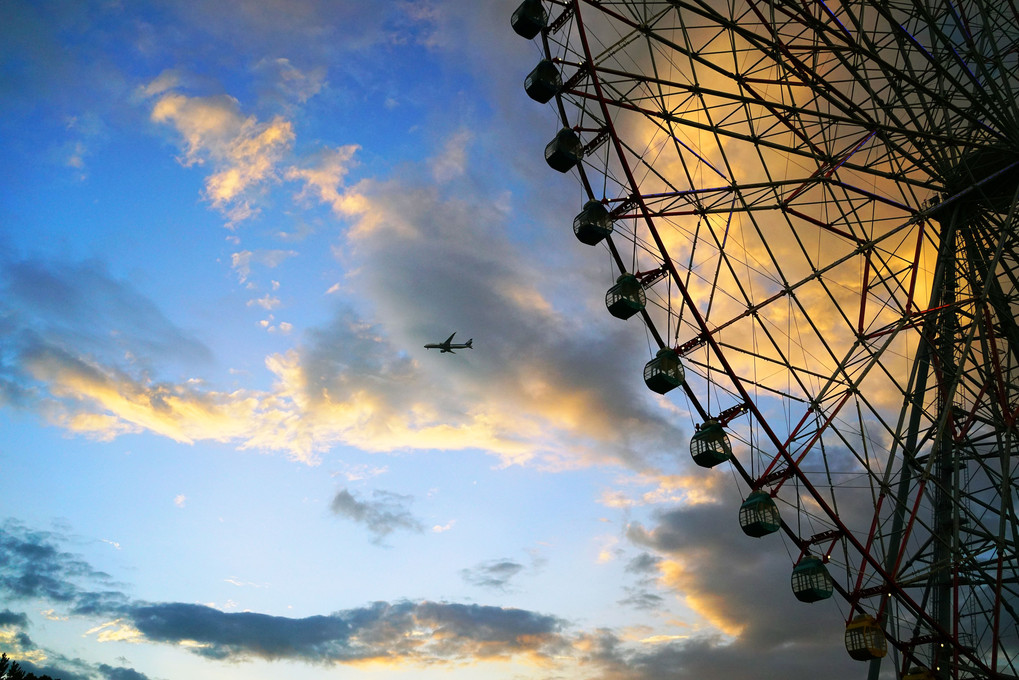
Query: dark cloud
[
  {"x": 485, "y": 632},
  {"x": 642, "y": 599},
  {"x": 9, "y": 618},
  {"x": 421, "y": 631},
  {"x": 494, "y": 574},
  {"x": 64, "y": 668},
  {"x": 715, "y": 657},
  {"x": 17, "y": 639},
  {"x": 120, "y": 673},
  {"x": 644, "y": 564},
  {"x": 225, "y": 635},
  {"x": 382, "y": 515},
  {"x": 71, "y": 669},
  {"x": 18, "y": 642},
  {"x": 427, "y": 631},
  {"x": 742, "y": 584},
  {"x": 32, "y": 566}
]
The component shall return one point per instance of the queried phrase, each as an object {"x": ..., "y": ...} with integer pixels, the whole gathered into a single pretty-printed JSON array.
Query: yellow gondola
[{"x": 865, "y": 640}]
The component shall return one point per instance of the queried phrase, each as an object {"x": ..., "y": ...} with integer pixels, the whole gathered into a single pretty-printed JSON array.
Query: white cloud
[
  {"x": 242, "y": 261},
  {"x": 289, "y": 82},
  {"x": 267, "y": 302},
  {"x": 452, "y": 161}
]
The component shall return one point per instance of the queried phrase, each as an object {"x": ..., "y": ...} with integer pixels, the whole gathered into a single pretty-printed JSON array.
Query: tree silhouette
[{"x": 12, "y": 670}]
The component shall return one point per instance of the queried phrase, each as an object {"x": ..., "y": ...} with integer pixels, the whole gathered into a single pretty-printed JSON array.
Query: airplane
[{"x": 448, "y": 347}]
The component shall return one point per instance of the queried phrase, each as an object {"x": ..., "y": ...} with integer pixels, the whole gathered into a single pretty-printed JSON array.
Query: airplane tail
[{"x": 469, "y": 345}]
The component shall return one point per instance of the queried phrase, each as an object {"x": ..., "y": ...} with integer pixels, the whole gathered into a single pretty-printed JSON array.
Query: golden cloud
[
  {"x": 244, "y": 153},
  {"x": 324, "y": 178},
  {"x": 116, "y": 631},
  {"x": 676, "y": 575}
]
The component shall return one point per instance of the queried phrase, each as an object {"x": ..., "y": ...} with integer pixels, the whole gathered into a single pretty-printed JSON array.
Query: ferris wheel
[{"x": 814, "y": 208}]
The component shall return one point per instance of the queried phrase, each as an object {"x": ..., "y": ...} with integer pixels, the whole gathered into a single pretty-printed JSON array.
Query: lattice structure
[{"x": 830, "y": 189}]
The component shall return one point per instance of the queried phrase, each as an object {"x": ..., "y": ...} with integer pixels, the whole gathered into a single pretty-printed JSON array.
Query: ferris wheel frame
[{"x": 950, "y": 202}]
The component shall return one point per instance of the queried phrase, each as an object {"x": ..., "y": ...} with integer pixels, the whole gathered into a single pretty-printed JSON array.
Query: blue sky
[{"x": 226, "y": 231}]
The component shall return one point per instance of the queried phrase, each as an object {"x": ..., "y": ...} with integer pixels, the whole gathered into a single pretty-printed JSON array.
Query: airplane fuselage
[{"x": 448, "y": 345}]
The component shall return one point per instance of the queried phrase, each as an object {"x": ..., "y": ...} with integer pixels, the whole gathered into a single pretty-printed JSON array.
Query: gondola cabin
[
  {"x": 811, "y": 581},
  {"x": 529, "y": 18},
  {"x": 543, "y": 82},
  {"x": 593, "y": 223},
  {"x": 709, "y": 445},
  {"x": 865, "y": 641},
  {"x": 626, "y": 298},
  {"x": 564, "y": 151},
  {"x": 758, "y": 516},
  {"x": 664, "y": 372}
]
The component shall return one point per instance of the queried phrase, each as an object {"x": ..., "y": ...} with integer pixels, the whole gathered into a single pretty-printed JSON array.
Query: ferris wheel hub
[{"x": 985, "y": 179}]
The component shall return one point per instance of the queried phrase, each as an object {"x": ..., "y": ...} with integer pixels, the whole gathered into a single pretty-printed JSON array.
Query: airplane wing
[{"x": 449, "y": 339}]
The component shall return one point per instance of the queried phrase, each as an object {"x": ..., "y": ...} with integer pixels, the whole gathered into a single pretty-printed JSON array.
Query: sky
[{"x": 226, "y": 232}]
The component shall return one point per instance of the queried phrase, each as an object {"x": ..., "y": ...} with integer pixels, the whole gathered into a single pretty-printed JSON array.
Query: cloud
[
  {"x": 552, "y": 381},
  {"x": 643, "y": 564},
  {"x": 539, "y": 386},
  {"x": 120, "y": 673},
  {"x": 740, "y": 588},
  {"x": 452, "y": 161},
  {"x": 35, "y": 568},
  {"x": 425, "y": 632},
  {"x": 323, "y": 178},
  {"x": 287, "y": 83},
  {"x": 9, "y": 618},
  {"x": 19, "y": 647},
  {"x": 242, "y": 151},
  {"x": 242, "y": 261},
  {"x": 104, "y": 401},
  {"x": 81, "y": 305},
  {"x": 419, "y": 254},
  {"x": 740, "y": 574},
  {"x": 639, "y": 598},
  {"x": 495, "y": 574},
  {"x": 382, "y": 515},
  {"x": 416, "y": 632}
]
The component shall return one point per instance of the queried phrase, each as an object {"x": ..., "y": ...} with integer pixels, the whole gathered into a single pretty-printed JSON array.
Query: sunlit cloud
[
  {"x": 671, "y": 489},
  {"x": 355, "y": 382},
  {"x": 115, "y": 631},
  {"x": 323, "y": 178},
  {"x": 242, "y": 152}
]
